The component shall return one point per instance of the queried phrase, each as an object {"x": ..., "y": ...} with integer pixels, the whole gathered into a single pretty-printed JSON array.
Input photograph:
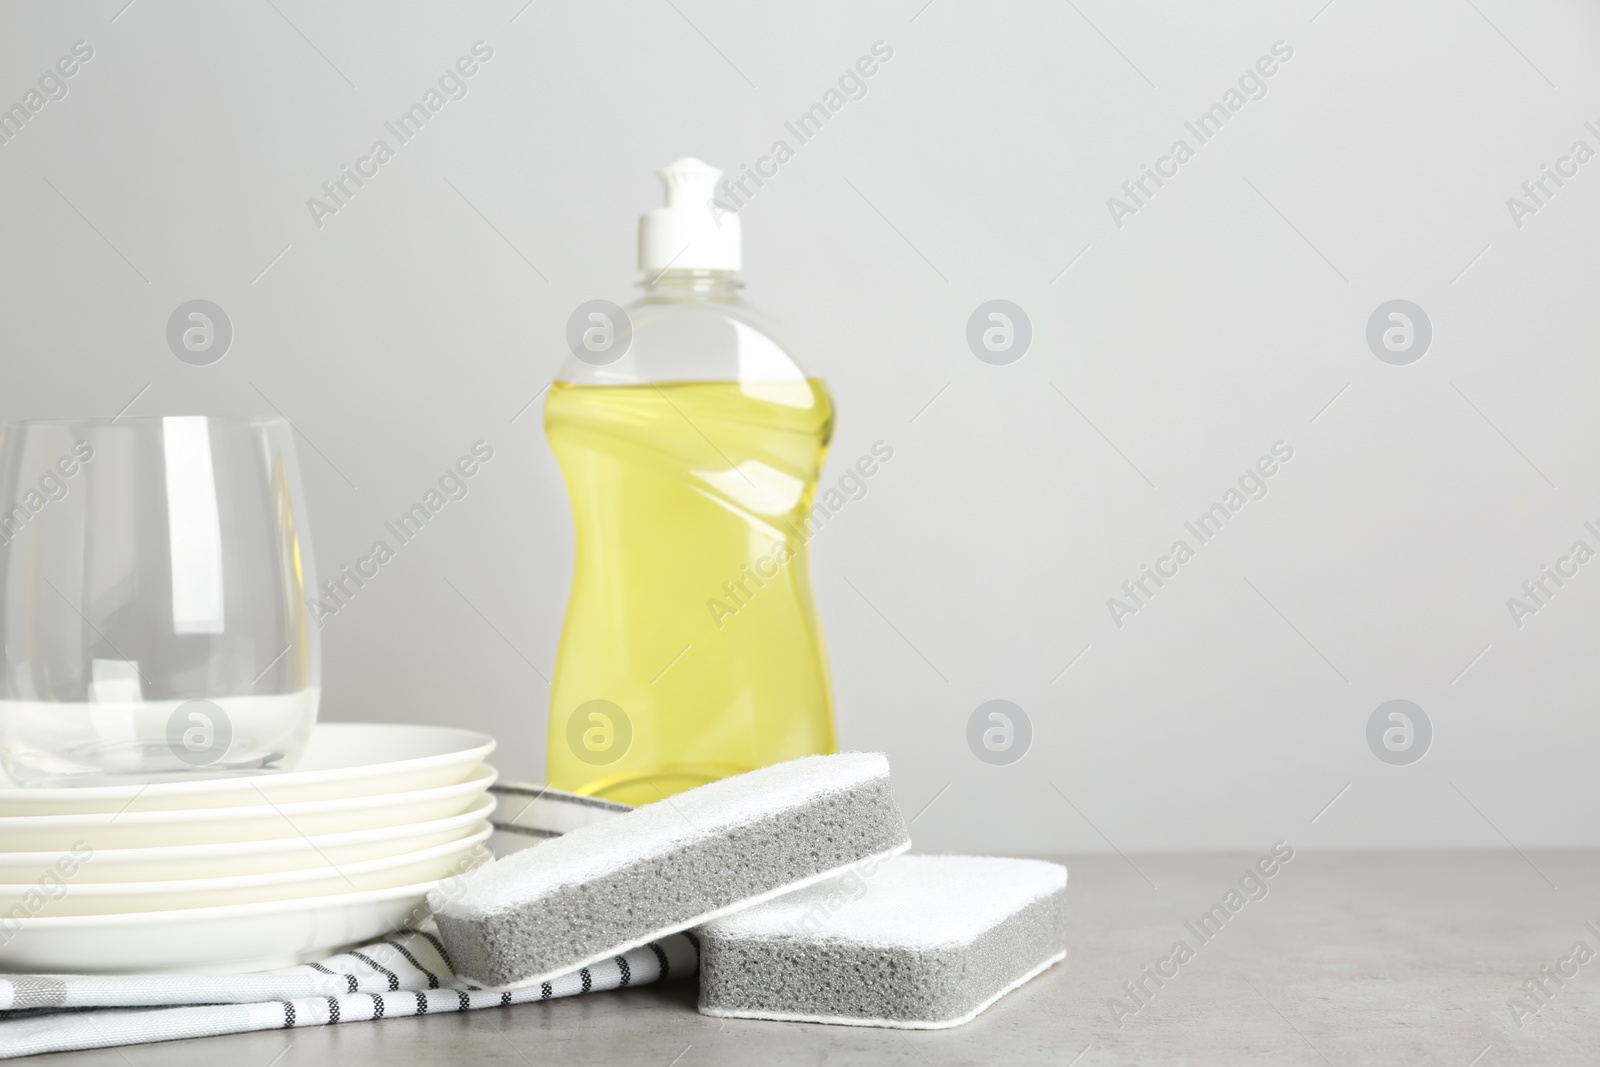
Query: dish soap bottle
[{"x": 691, "y": 440}]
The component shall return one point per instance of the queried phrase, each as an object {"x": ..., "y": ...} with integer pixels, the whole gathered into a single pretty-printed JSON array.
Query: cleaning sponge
[
  {"x": 602, "y": 889},
  {"x": 918, "y": 942}
]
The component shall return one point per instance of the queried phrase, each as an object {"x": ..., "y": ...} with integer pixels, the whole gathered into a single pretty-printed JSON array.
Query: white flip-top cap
[{"x": 690, "y": 232}]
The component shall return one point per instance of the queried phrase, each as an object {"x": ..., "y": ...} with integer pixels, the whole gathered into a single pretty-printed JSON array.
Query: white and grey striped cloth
[{"x": 407, "y": 974}]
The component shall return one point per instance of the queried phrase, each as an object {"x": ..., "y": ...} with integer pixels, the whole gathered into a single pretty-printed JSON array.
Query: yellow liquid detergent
[{"x": 692, "y": 648}]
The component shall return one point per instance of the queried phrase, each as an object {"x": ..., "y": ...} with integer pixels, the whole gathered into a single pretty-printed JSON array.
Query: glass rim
[{"x": 103, "y": 421}]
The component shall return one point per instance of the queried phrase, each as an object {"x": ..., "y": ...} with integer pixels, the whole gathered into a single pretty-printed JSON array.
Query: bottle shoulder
[{"x": 699, "y": 340}]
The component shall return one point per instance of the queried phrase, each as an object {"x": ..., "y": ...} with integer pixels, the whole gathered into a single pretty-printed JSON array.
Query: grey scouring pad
[
  {"x": 611, "y": 886},
  {"x": 917, "y": 942}
]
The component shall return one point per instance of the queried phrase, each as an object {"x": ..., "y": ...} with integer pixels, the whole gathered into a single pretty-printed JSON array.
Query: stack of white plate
[{"x": 242, "y": 873}]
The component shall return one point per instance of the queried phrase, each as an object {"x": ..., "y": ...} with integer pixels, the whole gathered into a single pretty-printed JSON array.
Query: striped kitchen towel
[
  {"x": 407, "y": 974},
  {"x": 526, "y": 814}
]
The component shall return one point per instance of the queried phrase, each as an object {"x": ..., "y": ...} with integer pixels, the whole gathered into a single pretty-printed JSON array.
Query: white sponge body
[{"x": 918, "y": 942}]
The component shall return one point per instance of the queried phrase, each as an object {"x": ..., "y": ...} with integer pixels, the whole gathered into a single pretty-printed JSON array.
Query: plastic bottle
[{"x": 692, "y": 648}]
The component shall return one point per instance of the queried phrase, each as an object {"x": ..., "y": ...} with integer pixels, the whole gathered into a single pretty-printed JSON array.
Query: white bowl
[
  {"x": 343, "y": 759},
  {"x": 166, "y": 863},
  {"x": 202, "y": 826},
  {"x": 228, "y": 940},
  {"x": 64, "y": 896}
]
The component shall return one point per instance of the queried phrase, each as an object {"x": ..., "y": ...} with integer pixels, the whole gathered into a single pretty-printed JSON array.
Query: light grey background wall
[{"x": 1228, "y": 312}]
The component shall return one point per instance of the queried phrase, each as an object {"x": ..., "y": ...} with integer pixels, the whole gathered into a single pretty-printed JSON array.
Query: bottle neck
[{"x": 682, "y": 285}]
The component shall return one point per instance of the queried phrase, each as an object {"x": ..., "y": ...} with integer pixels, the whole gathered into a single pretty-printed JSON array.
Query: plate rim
[
  {"x": 177, "y": 916},
  {"x": 266, "y": 878},
  {"x": 270, "y": 844},
  {"x": 480, "y": 783},
  {"x": 12, "y": 791}
]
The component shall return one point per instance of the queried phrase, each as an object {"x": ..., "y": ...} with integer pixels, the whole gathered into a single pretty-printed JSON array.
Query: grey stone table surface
[{"x": 1348, "y": 959}]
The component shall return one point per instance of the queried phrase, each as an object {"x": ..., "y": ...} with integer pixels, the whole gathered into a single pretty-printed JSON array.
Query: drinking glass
[{"x": 153, "y": 618}]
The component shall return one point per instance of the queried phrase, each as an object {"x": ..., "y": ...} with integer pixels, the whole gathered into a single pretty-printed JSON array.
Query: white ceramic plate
[
  {"x": 202, "y": 826},
  {"x": 343, "y": 759},
  {"x": 248, "y": 857},
  {"x": 227, "y": 940},
  {"x": 67, "y": 897}
]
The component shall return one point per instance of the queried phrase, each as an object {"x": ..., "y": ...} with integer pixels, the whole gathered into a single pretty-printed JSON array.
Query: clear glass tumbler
[{"x": 153, "y": 617}]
